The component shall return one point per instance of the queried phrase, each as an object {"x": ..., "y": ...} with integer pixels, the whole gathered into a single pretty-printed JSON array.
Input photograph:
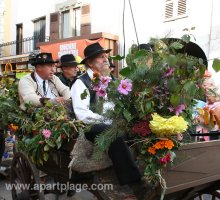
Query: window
[
  {"x": 19, "y": 38},
  {"x": 39, "y": 30},
  {"x": 76, "y": 22},
  {"x": 66, "y": 24},
  {"x": 71, "y": 23},
  {"x": 175, "y": 9}
]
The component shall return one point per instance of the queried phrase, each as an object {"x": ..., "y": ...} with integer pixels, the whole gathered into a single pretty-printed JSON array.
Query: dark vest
[{"x": 93, "y": 96}]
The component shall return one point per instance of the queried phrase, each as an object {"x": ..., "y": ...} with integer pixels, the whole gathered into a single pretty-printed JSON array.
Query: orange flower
[
  {"x": 95, "y": 76},
  {"x": 159, "y": 145},
  {"x": 13, "y": 127},
  {"x": 152, "y": 150},
  {"x": 169, "y": 144}
]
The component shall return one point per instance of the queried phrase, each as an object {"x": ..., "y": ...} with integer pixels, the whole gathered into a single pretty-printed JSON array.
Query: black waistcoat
[{"x": 93, "y": 96}]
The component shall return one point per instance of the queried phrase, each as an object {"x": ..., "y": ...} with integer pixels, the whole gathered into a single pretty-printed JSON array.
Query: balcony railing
[{"x": 25, "y": 46}]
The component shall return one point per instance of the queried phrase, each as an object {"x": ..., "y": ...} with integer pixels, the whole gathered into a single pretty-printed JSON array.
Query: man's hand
[{"x": 60, "y": 100}]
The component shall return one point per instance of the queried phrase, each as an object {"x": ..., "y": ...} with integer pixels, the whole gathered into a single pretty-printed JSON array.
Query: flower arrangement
[
  {"x": 45, "y": 128},
  {"x": 38, "y": 129},
  {"x": 152, "y": 103}
]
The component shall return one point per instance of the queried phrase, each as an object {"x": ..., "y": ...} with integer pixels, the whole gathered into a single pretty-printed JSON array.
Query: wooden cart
[{"x": 195, "y": 172}]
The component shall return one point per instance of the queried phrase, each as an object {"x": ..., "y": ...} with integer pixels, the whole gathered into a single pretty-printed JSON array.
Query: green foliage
[
  {"x": 172, "y": 82},
  {"x": 216, "y": 65},
  {"x": 9, "y": 107},
  {"x": 30, "y": 125},
  {"x": 52, "y": 118}
]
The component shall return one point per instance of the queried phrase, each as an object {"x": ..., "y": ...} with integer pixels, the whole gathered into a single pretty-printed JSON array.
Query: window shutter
[
  {"x": 181, "y": 7},
  {"x": 54, "y": 26},
  {"x": 85, "y": 20},
  {"x": 168, "y": 9}
]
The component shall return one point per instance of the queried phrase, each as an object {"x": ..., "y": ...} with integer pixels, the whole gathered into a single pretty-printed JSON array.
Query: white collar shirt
[
  {"x": 81, "y": 107},
  {"x": 39, "y": 80}
]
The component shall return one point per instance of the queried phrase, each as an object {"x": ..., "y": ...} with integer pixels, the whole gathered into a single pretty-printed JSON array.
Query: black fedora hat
[
  {"x": 147, "y": 47},
  {"x": 68, "y": 60},
  {"x": 92, "y": 50},
  {"x": 41, "y": 58}
]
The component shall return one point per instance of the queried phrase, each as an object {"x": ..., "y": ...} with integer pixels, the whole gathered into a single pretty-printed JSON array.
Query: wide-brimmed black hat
[
  {"x": 92, "y": 50},
  {"x": 68, "y": 60},
  {"x": 41, "y": 58},
  {"x": 147, "y": 47}
]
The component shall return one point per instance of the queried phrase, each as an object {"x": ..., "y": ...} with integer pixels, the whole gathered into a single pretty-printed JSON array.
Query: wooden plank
[{"x": 196, "y": 164}]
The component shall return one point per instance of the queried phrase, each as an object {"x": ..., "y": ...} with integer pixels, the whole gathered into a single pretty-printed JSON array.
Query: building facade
[{"x": 43, "y": 21}]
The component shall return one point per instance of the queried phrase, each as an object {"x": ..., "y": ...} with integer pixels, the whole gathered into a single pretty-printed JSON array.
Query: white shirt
[
  {"x": 81, "y": 107},
  {"x": 39, "y": 80}
]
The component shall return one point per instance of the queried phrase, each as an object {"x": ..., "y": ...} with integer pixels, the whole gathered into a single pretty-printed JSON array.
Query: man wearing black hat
[
  {"x": 149, "y": 58},
  {"x": 96, "y": 61},
  {"x": 42, "y": 84},
  {"x": 69, "y": 67}
]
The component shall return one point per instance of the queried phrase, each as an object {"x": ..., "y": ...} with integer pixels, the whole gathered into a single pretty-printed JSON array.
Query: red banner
[{"x": 75, "y": 47}]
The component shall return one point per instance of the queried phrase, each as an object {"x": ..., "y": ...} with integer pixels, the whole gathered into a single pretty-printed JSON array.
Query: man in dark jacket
[
  {"x": 69, "y": 67},
  {"x": 96, "y": 61}
]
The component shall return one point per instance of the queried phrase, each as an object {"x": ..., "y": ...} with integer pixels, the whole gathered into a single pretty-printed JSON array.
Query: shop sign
[{"x": 75, "y": 47}]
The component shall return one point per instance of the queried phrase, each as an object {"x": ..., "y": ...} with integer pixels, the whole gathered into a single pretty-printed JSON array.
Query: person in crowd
[
  {"x": 69, "y": 66},
  {"x": 42, "y": 84},
  {"x": 2, "y": 144},
  {"x": 149, "y": 57},
  {"x": 211, "y": 104},
  {"x": 81, "y": 67},
  {"x": 127, "y": 172}
]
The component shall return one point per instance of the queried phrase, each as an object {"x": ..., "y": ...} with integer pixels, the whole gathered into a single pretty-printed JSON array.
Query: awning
[{"x": 14, "y": 59}]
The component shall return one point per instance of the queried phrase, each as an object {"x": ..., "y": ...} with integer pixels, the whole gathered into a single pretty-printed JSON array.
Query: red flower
[
  {"x": 35, "y": 132},
  {"x": 168, "y": 157},
  {"x": 63, "y": 136},
  {"x": 40, "y": 142},
  {"x": 163, "y": 161},
  {"x": 141, "y": 128}
]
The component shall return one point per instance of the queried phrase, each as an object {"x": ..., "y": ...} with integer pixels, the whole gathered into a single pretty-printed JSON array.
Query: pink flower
[
  {"x": 46, "y": 133},
  {"x": 101, "y": 92},
  {"x": 179, "y": 109},
  {"x": 105, "y": 80},
  {"x": 169, "y": 72},
  {"x": 171, "y": 109},
  {"x": 96, "y": 87},
  {"x": 125, "y": 86},
  {"x": 163, "y": 161}
]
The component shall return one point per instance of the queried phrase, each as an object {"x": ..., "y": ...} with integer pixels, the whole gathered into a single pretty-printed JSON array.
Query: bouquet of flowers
[
  {"x": 153, "y": 103},
  {"x": 45, "y": 128},
  {"x": 38, "y": 129}
]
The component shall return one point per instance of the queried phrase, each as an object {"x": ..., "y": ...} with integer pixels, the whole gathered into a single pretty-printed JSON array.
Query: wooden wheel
[
  {"x": 212, "y": 196},
  {"x": 24, "y": 179}
]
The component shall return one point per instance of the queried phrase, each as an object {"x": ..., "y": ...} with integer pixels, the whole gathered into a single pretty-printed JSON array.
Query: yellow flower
[{"x": 171, "y": 126}]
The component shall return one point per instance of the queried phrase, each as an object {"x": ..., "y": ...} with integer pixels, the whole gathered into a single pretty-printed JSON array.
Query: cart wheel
[
  {"x": 212, "y": 196},
  {"x": 25, "y": 181}
]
